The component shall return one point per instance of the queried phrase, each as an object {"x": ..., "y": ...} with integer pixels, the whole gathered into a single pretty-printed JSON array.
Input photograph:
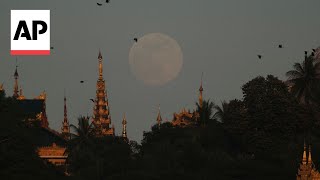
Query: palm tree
[
  {"x": 205, "y": 112},
  {"x": 81, "y": 136},
  {"x": 304, "y": 80},
  {"x": 84, "y": 130},
  {"x": 221, "y": 112}
]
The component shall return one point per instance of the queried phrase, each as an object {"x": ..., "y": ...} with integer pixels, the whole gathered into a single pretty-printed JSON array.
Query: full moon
[{"x": 155, "y": 59}]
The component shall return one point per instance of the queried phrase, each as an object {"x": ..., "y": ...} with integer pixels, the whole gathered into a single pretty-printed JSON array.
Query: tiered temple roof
[
  {"x": 186, "y": 118},
  {"x": 101, "y": 114}
]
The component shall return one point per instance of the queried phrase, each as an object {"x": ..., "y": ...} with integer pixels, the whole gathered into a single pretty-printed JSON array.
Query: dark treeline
[
  {"x": 18, "y": 142},
  {"x": 258, "y": 136}
]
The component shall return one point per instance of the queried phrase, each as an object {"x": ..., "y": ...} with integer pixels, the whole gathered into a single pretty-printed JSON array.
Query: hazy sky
[{"x": 218, "y": 37}]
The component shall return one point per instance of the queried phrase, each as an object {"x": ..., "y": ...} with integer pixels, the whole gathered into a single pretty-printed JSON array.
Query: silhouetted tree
[
  {"x": 83, "y": 132},
  {"x": 304, "y": 80},
  {"x": 235, "y": 122},
  {"x": 99, "y": 157},
  {"x": 80, "y": 147},
  {"x": 274, "y": 115},
  {"x": 221, "y": 112},
  {"x": 205, "y": 112}
]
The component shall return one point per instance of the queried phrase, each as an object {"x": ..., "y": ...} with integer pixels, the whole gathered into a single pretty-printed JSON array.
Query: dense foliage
[{"x": 304, "y": 80}]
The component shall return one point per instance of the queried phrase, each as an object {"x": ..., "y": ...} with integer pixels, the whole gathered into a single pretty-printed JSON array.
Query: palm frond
[{"x": 294, "y": 74}]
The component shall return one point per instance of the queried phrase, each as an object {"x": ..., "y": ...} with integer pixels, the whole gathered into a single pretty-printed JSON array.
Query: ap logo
[{"x": 30, "y": 32}]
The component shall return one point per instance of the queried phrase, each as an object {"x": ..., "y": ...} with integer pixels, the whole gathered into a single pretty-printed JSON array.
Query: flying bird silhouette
[
  {"x": 107, "y": 1},
  {"x": 314, "y": 50},
  {"x": 81, "y": 81},
  {"x": 259, "y": 56},
  {"x": 99, "y": 4},
  {"x": 92, "y": 100},
  {"x": 135, "y": 39},
  {"x": 280, "y": 46}
]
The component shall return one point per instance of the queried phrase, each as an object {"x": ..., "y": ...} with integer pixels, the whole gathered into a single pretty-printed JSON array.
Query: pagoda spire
[
  {"x": 65, "y": 130},
  {"x": 101, "y": 111},
  {"x": 124, "y": 126},
  {"x": 200, "y": 93},
  {"x": 304, "y": 157},
  {"x": 100, "y": 65},
  {"x": 305, "y": 171},
  {"x": 309, "y": 156},
  {"x": 16, "y": 86},
  {"x": 159, "y": 118}
]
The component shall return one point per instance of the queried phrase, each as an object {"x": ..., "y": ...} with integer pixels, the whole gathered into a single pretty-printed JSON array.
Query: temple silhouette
[
  {"x": 52, "y": 147},
  {"x": 53, "y": 144}
]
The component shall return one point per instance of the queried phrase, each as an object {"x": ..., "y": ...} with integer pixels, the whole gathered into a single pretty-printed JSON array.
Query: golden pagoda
[
  {"x": 65, "y": 130},
  {"x": 307, "y": 170},
  {"x": 15, "y": 87},
  {"x": 185, "y": 118},
  {"x": 101, "y": 114}
]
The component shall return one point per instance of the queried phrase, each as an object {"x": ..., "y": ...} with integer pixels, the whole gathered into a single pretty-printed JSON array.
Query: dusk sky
[{"x": 220, "y": 38}]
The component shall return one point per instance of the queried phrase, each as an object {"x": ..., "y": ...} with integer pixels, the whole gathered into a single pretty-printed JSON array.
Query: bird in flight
[
  {"x": 314, "y": 50},
  {"x": 135, "y": 39},
  {"x": 81, "y": 81},
  {"x": 280, "y": 46},
  {"x": 259, "y": 56},
  {"x": 100, "y": 4},
  {"x": 92, "y": 100}
]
